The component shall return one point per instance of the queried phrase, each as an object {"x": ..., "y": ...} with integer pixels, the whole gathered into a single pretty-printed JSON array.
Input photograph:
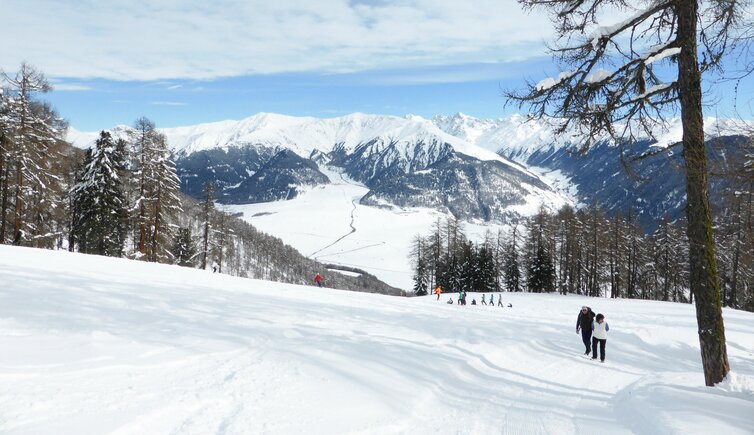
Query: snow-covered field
[
  {"x": 327, "y": 223},
  {"x": 101, "y": 345}
]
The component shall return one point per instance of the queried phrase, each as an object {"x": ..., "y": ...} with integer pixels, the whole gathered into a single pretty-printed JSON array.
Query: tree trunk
[
  {"x": 4, "y": 167},
  {"x": 207, "y": 204},
  {"x": 703, "y": 278},
  {"x": 17, "y": 219},
  {"x": 157, "y": 224}
]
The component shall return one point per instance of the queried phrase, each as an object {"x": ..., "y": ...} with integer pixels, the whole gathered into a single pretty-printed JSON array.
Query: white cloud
[
  {"x": 168, "y": 103},
  {"x": 199, "y": 39},
  {"x": 70, "y": 87}
]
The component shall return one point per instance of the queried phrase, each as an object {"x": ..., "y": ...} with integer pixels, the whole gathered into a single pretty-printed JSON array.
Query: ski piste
[{"x": 96, "y": 345}]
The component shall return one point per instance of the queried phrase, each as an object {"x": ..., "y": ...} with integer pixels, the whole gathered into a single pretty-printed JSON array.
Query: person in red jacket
[{"x": 318, "y": 280}]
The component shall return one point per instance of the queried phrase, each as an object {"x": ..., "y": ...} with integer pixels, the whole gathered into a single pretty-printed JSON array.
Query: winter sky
[{"x": 182, "y": 62}]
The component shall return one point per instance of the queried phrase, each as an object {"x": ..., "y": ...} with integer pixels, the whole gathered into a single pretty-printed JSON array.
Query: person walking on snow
[
  {"x": 599, "y": 328},
  {"x": 483, "y": 301},
  {"x": 584, "y": 325},
  {"x": 318, "y": 280},
  {"x": 492, "y": 299},
  {"x": 438, "y": 290},
  {"x": 460, "y": 297},
  {"x": 500, "y": 300}
]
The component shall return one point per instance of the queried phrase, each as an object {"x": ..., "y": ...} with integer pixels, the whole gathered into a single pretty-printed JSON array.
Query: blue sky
[
  {"x": 182, "y": 62},
  {"x": 94, "y": 104}
]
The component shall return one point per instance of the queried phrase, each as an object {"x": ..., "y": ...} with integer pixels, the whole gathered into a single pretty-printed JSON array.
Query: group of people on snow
[
  {"x": 462, "y": 298},
  {"x": 593, "y": 329}
]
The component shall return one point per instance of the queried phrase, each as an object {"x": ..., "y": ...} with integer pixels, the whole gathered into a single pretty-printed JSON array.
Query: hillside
[{"x": 103, "y": 345}]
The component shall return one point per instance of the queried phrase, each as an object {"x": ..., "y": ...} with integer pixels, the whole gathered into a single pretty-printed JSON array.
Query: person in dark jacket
[{"x": 584, "y": 325}]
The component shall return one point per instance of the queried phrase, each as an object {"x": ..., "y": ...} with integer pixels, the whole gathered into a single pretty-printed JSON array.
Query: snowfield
[
  {"x": 95, "y": 345},
  {"x": 327, "y": 223}
]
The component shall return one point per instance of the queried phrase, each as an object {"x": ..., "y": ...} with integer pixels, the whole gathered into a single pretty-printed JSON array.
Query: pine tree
[
  {"x": 510, "y": 265},
  {"x": 184, "y": 248},
  {"x": 420, "y": 278},
  {"x": 207, "y": 208},
  {"x": 418, "y": 258},
  {"x": 486, "y": 273},
  {"x": 540, "y": 272},
  {"x": 100, "y": 208}
]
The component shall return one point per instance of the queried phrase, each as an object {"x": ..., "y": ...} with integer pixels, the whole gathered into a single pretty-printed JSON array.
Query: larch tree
[
  {"x": 143, "y": 137},
  {"x": 5, "y": 160},
  {"x": 164, "y": 186},
  {"x": 616, "y": 84},
  {"x": 30, "y": 129}
]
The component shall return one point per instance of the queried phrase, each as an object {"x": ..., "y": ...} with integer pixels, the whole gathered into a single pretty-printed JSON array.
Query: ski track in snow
[
  {"x": 351, "y": 224},
  {"x": 329, "y": 223},
  {"x": 101, "y": 345}
]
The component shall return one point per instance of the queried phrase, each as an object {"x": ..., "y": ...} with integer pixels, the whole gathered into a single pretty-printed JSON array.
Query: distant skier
[
  {"x": 318, "y": 280},
  {"x": 460, "y": 297},
  {"x": 483, "y": 300},
  {"x": 584, "y": 325},
  {"x": 500, "y": 300},
  {"x": 492, "y": 299},
  {"x": 464, "y": 297},
  {"x": 600, "y": 328},
  {"x": 438, "y": 290}
]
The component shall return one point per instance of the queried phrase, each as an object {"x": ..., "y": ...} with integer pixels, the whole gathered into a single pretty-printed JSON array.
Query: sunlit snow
[{"x": 97, "y": 345}]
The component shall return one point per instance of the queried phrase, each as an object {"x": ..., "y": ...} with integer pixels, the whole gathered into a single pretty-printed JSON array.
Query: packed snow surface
[{"x": 96, "y": 345}]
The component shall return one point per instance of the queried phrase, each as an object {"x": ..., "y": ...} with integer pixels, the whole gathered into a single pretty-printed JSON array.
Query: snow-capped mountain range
[
  {"x": 474, "y": 168},
  {"x": 409, "y": 161}
]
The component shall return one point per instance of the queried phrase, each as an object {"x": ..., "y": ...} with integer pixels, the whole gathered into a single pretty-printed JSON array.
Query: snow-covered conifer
[{"x": 99, "y": 206}]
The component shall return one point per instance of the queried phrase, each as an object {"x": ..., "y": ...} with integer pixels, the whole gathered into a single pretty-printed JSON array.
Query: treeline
[
  {"x": 121, "y": 198},
  {"x": 589, "y": 253}
]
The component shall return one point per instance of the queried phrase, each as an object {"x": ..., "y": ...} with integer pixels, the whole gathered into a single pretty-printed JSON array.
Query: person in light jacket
[{"x": 599, "y": 335}]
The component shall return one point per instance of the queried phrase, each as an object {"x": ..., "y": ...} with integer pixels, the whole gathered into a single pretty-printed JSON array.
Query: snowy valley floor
[{"x": 101, "y": 345}]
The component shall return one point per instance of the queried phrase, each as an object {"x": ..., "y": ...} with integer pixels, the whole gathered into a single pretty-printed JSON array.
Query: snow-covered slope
[{"x": 102, "y": 345}]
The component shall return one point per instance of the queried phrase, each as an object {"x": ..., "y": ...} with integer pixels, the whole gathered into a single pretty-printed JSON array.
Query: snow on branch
[
  {"x": 605, "y": 33},
  {"x": 550, "y": 82},
  {"x": 667, "y": 52}
]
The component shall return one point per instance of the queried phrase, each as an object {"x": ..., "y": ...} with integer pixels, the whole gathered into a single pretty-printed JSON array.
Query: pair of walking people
[{"x": 593, "y": 329}]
